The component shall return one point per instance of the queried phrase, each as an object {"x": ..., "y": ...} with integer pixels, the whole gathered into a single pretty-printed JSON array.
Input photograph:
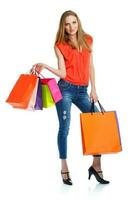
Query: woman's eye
[{"x": 74, "y": 22}]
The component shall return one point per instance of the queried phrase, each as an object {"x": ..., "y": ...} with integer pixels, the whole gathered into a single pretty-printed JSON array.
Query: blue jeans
[{"x": 71, "y": 94}]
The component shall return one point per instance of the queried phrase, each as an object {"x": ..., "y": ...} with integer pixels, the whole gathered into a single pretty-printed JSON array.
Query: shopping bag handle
[
  {"x": 33, "y": 71},
  {"x": 100, "y": 105}
]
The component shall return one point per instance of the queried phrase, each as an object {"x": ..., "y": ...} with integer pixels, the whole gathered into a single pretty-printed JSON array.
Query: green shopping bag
[{"x": 47, "y": 99}]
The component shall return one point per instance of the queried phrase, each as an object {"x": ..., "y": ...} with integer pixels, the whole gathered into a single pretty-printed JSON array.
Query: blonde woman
[{"x": 73, "y": 48}]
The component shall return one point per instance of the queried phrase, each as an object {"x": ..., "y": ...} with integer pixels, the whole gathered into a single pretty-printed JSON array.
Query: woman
[{"x": 73, "y": 48}]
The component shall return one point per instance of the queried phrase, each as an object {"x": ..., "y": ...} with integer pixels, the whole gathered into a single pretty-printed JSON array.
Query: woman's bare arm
[{"x": 61, "y": 71}]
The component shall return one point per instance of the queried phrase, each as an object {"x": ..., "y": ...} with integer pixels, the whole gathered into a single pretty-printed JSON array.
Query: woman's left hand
[{"x": 93, "y": 96}]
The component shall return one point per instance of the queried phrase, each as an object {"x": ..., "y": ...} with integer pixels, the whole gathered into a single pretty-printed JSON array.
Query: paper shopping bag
[
  {"x": 47, "y": 99},
  {"x": 100, "y": 133},
  {"x": 22, "y": 91},
  {"x": 32, "y": 102},
  {"x": 54, "y": 88},
  {"x": 38, "y": 104}
]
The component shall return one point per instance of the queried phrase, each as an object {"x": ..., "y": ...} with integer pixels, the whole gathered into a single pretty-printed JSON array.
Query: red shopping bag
[{"x": 22, "y": 91}]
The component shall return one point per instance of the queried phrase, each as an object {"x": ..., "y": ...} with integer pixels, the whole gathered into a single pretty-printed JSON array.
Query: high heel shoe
[
  {"x": 67, "y": 181},
  {"x": 92, "y": 171}
]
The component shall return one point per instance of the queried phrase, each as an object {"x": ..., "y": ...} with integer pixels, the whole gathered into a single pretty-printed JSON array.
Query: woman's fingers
[
  {"x": 93, "y": 97},
  {"x": 37, "y": 68}
]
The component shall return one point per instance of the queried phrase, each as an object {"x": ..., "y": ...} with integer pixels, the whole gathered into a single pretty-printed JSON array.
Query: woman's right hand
[{"x": 38, "y": 67}]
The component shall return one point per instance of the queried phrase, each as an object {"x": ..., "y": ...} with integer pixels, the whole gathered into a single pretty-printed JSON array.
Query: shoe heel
[
  {"x": 92, "y": 171},
  {"x": 89, "y": 175}
]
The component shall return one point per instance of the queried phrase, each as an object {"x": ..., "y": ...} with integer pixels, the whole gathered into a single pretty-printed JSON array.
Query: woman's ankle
[
  {"x": 97, "y": 164},
  {"x": 97, "y": 167},
  {"x": 64, "y": 166}
]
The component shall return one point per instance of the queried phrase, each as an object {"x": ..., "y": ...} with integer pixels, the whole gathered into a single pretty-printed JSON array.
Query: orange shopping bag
[
  {"x": 100, "y": 132},
  {"x": 22, "y": 91}
]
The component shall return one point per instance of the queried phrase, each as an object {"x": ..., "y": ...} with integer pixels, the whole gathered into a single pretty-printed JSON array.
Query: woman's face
[{"x": 71, "y": 25}]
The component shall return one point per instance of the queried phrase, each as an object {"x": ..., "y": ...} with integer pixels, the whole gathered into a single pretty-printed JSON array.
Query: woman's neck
[{"x": 73, "y": 38}]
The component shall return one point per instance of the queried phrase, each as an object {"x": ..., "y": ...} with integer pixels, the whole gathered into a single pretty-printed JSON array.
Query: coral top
[{"x": 77, "y": 63}]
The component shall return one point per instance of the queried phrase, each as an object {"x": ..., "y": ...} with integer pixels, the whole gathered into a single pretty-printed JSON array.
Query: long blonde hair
[{"x": 62, "y": 35}]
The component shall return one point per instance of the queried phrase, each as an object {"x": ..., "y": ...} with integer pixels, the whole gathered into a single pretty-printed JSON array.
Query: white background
[{"x": 29, "y": 164}]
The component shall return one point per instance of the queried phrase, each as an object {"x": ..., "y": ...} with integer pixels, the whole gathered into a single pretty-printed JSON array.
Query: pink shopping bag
[{"x": 54, "y": 89}]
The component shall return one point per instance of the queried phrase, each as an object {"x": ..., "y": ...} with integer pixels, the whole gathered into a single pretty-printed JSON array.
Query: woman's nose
[{"x": 71, "y": 26}]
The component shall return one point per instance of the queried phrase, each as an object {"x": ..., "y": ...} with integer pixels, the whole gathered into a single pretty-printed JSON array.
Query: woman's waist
[{"x": 74, "y": 84}]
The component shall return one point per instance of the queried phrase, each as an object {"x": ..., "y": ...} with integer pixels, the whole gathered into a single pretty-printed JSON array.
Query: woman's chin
[{"x": 72, "y": 33}]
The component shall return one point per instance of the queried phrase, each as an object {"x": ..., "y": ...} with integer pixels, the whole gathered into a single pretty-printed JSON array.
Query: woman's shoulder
[
  {"x": 63, "y": 47},
  {"x": 88, "y": 38},
  {"x": 60, "y": 44}
]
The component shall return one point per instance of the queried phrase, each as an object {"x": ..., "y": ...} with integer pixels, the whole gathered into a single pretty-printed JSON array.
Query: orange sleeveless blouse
[{"x": 77, "y": 63}]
